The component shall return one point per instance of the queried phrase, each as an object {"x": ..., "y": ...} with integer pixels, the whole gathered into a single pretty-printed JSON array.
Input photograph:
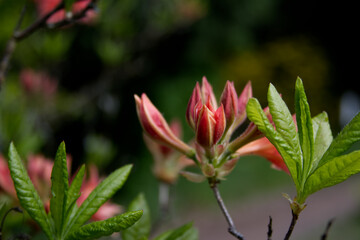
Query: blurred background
[{"x": 77, "y": 84}]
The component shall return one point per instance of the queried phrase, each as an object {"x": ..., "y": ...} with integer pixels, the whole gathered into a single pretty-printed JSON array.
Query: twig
[
  {"x": 164, "y": 199},
  {"x": 232, "y": 229},
  {"x": 16, "y": 209},
  {"x": 325, "y": 234},
  {"x": 270, "y": 231},
  {"x": 10, "y": 47},
  {"x": 292, "y": 225},
  {"x": 75, "y": 17},
  {"x": 39, "y": 23}
]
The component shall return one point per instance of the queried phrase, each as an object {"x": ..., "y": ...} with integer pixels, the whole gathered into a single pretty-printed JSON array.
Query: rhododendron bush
[{"x": 61, "y": 195}]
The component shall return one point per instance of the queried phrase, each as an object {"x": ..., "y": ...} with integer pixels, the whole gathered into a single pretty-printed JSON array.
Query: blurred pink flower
[
  {"x": 167, "y": 162},
  {"x": 6, "y": 183},
  {"x": 46, "y": 6},
  {"x": 108, "y": 209},
  {"x": 39, "y": 169},
  {"x": 38, "y": 82},
  {"x": 264, "y": 148}
]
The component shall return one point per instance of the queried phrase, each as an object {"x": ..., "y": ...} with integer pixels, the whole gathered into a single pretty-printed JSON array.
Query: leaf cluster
[
  {"x": 65, "y": 220},
  {"x": 315, "y": 160}
]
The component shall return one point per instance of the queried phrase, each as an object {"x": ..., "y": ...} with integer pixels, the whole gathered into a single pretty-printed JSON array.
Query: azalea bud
[
  {"x": 156, "y": 126},
  {"x": 207, "y": 92},
  {"x": 193, "y": 101},
  {"x": 205, "y": 127},
  {"x": 210, "y": 126},
  {"x": 242, "y": 102},
  {"x": 230, "y": 102}
]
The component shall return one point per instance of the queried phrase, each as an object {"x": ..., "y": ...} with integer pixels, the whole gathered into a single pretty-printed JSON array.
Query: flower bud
[
  {"x": 210, "y": 126},
  {"x": 230, "y": 102},
  {"x": 156, "y": 126}
]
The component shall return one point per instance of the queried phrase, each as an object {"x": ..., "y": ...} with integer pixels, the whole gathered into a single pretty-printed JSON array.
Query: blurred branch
[
  {"x": 325, "y": 234},
  {"x": 269, "y": 233},
  {"x": 15, "y": 209},
  {"x": 232, "y": 229},
  {"x": 19, "y": 35},
  {"x": 10, "y": 47}
]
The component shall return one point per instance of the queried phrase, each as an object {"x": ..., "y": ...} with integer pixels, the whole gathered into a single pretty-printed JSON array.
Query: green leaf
[
  {"x": 73, "y": 195},
  {"x": 106, "y": 227},
  {"x": 285, "y": 126},
  {"x": 59, "y": 188},
  {"x": 322, "y": 137},
  {"x": 333, "y": 172},
  {"x": 74, "y": 190},
  {"x": 346, "y": 138},
  {"x": 103, "y": 192},
  {"x": 27, "y": 195},
  {"x": 185, "y": 232},
  {"x": 68, "y": 4},
  {"x": 256, "y": 114},
  {"x": 141, "y": 229},
  {"x": 305, "y": 128}
]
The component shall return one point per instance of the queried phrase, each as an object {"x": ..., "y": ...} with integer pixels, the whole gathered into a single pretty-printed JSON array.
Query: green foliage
[
  {"x": 66, "y": 220},
  {"x": 27, "y": 195},
  {"x": 185, "y": 232},
  {"x": 314, "y": 159},
  {"x": 106, "y": 227},
  {"x": 141, "y": 229}
]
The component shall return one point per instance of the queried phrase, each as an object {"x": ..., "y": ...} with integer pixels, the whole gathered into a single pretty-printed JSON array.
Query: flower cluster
[
  {"x": 39, "y": 169},
  {"x": 214, "y": 149}
]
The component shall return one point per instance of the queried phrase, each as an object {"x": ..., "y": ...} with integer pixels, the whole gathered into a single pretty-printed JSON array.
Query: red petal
[{"x": 220, "y": 124}]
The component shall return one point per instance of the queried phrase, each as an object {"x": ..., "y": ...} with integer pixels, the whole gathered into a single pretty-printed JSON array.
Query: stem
[
  {"x": 232, "y": 229},
  {"x": 164, "y": 199},
  {"x": 16, "y": 209},
  {"x": 269, "y": 233},
  {"x": 325, "y": 234},
  {"x": 39, "y": 23},
  {"x": 292, "y": 225},
  {"x": 10, "y": 47}
]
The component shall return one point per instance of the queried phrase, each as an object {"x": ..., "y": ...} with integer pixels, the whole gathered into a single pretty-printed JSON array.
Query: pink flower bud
[
  {"x": 230, "y": 102},
  {"x": 210, "y": 126},
  {"x": 207, "y": 93},
  {"x": 242, "y": 101},
  {"x": 156, "y": 126},
  {"x": 194, "y": 100}
]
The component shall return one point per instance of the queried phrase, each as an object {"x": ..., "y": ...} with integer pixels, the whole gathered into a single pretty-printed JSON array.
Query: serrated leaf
[
  {"x": 103, "y": 192},
  {"x": 106, "y": 227},
  {"x": 322, "y": 137},
  {"x": 333, "y": 172},
  {"x": 141, "y": 229},
  {"x": 185, "y": 232},
  {"x": 256, "y": 114},
  {"x": 285, "y": 126},
  {"x": 73, "y": 195},
  {"x": 74, "y": 189},
  {"x": 26, "y": 193},
  {"x": 59, "y": 188},
  {"x": 305, "y": 127},
  {"x": 346, "y": 138}
]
